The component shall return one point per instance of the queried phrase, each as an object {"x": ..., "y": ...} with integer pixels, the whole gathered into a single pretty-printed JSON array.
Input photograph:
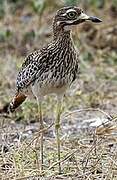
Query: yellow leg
[
  {"x": 41, "y": 136},
  {"x": 57, "y": 128}
]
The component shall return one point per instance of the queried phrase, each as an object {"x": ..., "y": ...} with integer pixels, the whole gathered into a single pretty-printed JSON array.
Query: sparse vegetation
[{"x": 89, "y": 118}]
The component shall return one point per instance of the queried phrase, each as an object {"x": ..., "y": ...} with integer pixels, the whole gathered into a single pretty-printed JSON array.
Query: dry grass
[
  {"x": 89, "y": 155},
  {"x": 88, "y": 151}
]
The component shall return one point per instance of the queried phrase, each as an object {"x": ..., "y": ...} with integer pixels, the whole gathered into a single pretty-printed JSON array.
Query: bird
[{"x": 51, "y": 70}]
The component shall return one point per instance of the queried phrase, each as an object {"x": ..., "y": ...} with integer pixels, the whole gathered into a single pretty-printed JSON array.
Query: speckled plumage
[{"x": 53, "y": 67}]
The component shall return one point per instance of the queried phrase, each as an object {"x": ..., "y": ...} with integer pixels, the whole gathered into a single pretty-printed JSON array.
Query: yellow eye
[{"x": 72, "y": 14}]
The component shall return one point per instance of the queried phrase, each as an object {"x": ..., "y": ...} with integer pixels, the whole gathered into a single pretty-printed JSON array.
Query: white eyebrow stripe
[
  {"x": 69, "y": 10},
  {"x": 64, "y": 14}
]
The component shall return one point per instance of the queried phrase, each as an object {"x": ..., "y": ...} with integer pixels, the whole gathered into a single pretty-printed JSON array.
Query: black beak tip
[{"x": 95, "y": 19}]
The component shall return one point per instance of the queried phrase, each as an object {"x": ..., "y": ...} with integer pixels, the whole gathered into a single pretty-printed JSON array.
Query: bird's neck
[
  {"x": 61, "y": 33},
  {"x": 62, "y": 37}
]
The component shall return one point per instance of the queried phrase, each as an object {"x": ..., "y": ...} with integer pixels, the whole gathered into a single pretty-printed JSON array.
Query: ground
[{"x": 89, "y": 114}]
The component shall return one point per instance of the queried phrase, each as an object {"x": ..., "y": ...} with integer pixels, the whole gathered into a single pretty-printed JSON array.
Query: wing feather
[{"x": 30, "y": 68}]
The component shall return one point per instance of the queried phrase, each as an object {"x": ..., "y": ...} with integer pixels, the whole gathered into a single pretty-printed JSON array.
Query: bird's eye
[{"x": 72, "y": 14}]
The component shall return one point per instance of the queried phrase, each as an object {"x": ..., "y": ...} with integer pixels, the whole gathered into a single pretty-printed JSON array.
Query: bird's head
[{"x": 70, "y": 16}]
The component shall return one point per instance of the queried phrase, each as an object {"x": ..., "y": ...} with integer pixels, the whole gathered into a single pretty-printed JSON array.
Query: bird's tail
[{"x": 17, "y": 100}]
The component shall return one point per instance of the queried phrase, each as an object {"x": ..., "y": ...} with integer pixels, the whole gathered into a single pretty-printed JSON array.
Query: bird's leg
[
  {"x": 57, "y": 128},
  {"x": 41, "y": 135}
]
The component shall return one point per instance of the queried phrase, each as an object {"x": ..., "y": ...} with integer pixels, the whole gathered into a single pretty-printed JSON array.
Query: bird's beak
[{"x": 84, "y": 17}]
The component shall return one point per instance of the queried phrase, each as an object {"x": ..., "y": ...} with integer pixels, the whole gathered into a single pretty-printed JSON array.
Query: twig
[
  {"x": 66, "y": 157},
  {"x": 112, "y": 161},
  {"x": 27, "y": 177},
  {"x": 87, "y": 154},
  {"x": 42, "y": 130},
  {"x": 91, "y": 109}
]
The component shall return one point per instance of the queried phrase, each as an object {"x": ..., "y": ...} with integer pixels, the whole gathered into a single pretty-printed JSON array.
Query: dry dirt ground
[{"x": 89, "y": 114}]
